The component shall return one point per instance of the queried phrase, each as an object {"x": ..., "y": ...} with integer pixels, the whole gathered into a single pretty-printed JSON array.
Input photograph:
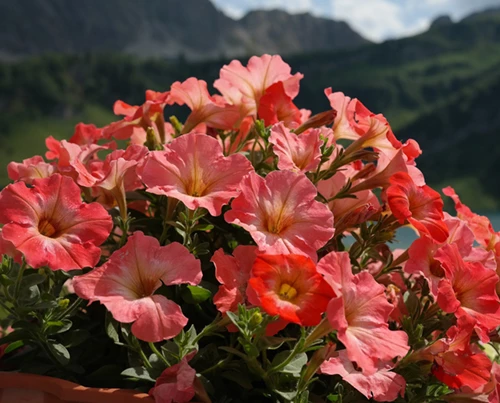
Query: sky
[{"x": 376, "y": 20}]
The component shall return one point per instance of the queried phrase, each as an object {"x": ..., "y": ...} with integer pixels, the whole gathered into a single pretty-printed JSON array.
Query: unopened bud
[
  {"x": 321, "y": 119},
  {"x": 63, "y": 303},
  {"x": 255, "y": 320}
]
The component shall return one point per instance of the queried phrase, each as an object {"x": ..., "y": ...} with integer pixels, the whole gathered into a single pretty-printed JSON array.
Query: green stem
[
  {"x": 19, "y": 279},
  {"x": 145, "y": 360},
  {"x": 158, "y": 353},
  {"x": 209, "y": 329}
]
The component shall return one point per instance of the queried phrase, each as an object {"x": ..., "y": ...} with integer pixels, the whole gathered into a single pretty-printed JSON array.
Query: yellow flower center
[
  {"x": 287, "y": 292},
  {"x": 46, "y": 228}
]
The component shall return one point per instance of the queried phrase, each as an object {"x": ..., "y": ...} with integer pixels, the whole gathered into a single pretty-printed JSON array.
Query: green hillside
[{"x": 439, "y": 88}]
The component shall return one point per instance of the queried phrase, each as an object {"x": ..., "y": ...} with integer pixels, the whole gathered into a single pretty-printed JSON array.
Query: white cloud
[{"x": 375, "y": 19}]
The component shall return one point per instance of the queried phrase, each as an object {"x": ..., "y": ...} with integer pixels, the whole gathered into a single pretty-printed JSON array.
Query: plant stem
[
  {"x": 145, "y": 360},
  {"x": 158, "y": 353},
  {"x": 19, "y": 279},
  {"x": 70, "y": 309}
]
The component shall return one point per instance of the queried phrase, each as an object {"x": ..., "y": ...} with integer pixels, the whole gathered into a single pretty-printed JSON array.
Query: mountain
[
  {"x": 162, "y": 29},
  {"x": 440, "y": 87}
]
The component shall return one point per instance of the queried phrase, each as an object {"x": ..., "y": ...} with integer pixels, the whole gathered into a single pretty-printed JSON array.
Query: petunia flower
[
  {"x": 383, "y": 385},
  {"x": 233, "y": 272},
  {"x": 360, "y": 313},
  {"x": 420, "y": 205},
  {"x": 31, "y": 168},
  {"x": 457, "y": 363},
  {"x": 127, "y": 282},
  {"x": 204, "y": 108},
  {"x": 281, "y": 214},
  {"x": 468, "y": 289},
  {"x": 51, "y": 226},
  {"x": 300, "y": 153},
  {"x": 86, "y": 134},
  {"x": 245, "y": 86},
  {"x": 291, "y": 287},
  {"x": 276, "y": 106},
  {"x": 193, "y": 170}
]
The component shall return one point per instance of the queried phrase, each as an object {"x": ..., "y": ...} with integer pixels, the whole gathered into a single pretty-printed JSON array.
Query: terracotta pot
[{"x": 28, "y": 388}]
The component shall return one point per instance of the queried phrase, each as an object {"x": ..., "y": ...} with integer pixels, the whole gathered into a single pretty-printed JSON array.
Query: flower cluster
[{"x": 247, "y": 249}]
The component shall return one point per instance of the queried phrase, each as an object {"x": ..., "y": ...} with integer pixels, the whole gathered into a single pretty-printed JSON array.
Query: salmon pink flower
[
  {"x": 175, "y": 384},
  {"x": 348, "y": 211},
  {"x": 31, "y": 168},
  {"x": 345, "y": 107},
  {"x": 383, "y": 385},
  {"x": 296, "y": 152},
  {"x": 291, "y": 287},
  {"x": 245, "y": 86},
  {"x": 468, "y": 289},
  {"x": 126, "y": 283},
  {"x": 193, "y": 170},
  {"x": 360, "y": 313},
  {"x": 233, "y": 272},
  {"x": 86, "y": 134},
  {"x": 457, "y": 363},
  {"x": 276, "y": 106},
  {"x": 51, "y": 226},
  {"x": 479, "y": 225},
  {"x": 281, "y": 214},
  {"x": 420, "y": 205},
  {"x": 204, "y": 108},
  {"x": 7, "y": 248}
]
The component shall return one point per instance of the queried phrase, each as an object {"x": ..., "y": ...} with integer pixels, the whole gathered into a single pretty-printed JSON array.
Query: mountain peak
[{"x": 164, "y": 29}]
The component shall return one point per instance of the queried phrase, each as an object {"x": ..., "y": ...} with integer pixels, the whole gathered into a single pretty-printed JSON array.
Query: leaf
[
  {"x": 15, "y": 336},
  {"x": 32, "y": 279},
  {"x": 138, "y": 373},
  {"x": 195, "y": 294},
  {"x": 239, "y": 378},
  {"x": 59, "y": 352},
  {"x": 273, "y": 343},
  {"x": 59, "y": 326},
  {"x": 45, "y": 305},
  {"x": 29, "y": 294},
  {"x": 294, "y": 366},
  {"x": 13, "y": 346},
  {"x": 112, "y": 327},
  {"x": 77, "y": 337}
]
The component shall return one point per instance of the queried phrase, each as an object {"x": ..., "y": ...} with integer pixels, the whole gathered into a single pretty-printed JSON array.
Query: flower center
[
  {"x": 46, "y": 228},
  {"x": 436, "y": 269},
  {"x": 287, "y": 292}
]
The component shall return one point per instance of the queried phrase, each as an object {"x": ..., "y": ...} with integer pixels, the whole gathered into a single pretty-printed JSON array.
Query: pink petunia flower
[
  {"x": 193, "y": 170},
  {"x": 51, "y": 226},
  {"x": 468, "y": 289},
  {"x": 126, "y": 284},
  {"x": 244, "y": 86},
  {"x": 383, "y": 385},
  {"x": 204, "y": 108},
  {"x": 31, "y": 168},
  {"x": 175, "y": 384},
  {"x": 300, "y": 153},
  {"x": 233, "y": 272},
  {"x": 360, "y": 314},
  {"x": 281, "y": 214}
]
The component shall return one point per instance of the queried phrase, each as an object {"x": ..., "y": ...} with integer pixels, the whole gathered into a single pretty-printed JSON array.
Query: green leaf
[
  {"x": 112, "y": 328},
  {"x": 29, "y": 295},
  {"x": 13, "y": 346},
  {"x": 294, "y": 366},
  {"x": 45, "y": 305},
  {"x": 59, "y": 352},
  {"x": 15, "y": 336},
  {"x": 239, "y": 378},
  {"x": 138, "y": 373},
  {"x": 58, "y": 326},
  {"x": 76, "y": 337},
  {"x": 32, "y": 279},
  {"x": 273, "y": 343},
  {"x": 195, "y": 294}
]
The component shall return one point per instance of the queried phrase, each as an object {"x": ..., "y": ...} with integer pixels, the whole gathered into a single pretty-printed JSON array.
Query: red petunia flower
[
  {"x": 420, "y": 205},
  {"x": 291, "y": 287}
]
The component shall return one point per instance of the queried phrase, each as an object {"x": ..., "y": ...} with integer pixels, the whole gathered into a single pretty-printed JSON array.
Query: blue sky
[{"x": 375, "y": 19}]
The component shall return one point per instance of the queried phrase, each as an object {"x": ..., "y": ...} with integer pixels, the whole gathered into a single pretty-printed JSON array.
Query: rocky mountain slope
[{"x": 191, "y": 29}]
